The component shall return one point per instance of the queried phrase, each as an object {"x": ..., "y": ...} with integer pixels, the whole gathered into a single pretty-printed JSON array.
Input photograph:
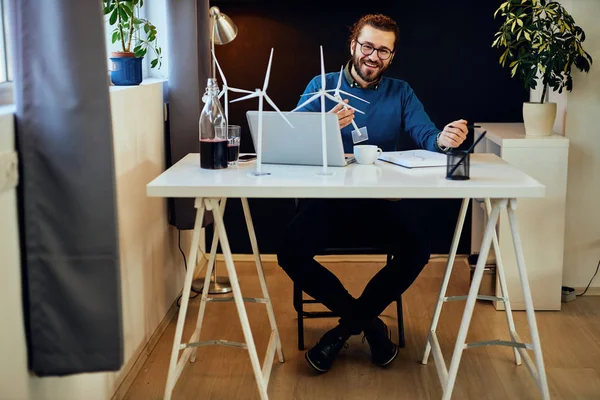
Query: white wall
[
  {"x": 151, "y": 265},
  {"x": 13, "y": 356},
  {"x": 582, "y": 242}
]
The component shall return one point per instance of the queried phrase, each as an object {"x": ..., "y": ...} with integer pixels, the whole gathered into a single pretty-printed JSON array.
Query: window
[
  {"x": 6, "y": 87},
  {"x": 4, "y": 72},
  {"x": 155, "y": 11}
]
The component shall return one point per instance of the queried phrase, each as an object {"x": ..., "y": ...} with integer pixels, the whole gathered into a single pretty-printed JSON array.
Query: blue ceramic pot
[{"x": 126, "y": 69}]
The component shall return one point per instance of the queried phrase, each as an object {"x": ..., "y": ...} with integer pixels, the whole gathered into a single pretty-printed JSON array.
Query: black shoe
[
  {"x": 321, "y": 356},
  {"x": 383, "y": 350}
]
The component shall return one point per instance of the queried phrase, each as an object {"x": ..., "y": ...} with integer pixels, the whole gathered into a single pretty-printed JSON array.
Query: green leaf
[
  {"x": 153, "y": 63},
  {"x": 503, "y": 57},
  {"x": 123, "y": 13},
  {"x": 128, "y": 9},
  {"x": 113, "y": 17},
  {"x": 146, "y": 28},
  {"x": 141, "y": 53},
  {"x": 115, "y": 36}
]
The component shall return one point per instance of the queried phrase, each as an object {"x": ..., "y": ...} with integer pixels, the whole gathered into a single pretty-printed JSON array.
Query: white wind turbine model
[
  {"x": 322, "y": 94},
  {"x": 262, "y": 95},
  {"x": 226, "y": 88},
  {"x": 358, "y": 135}
]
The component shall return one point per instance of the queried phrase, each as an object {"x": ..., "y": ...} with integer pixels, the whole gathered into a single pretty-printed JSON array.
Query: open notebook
[{"x": 414, "y": 158}]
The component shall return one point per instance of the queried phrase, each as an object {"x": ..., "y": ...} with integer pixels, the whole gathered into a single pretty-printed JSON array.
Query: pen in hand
[{"x": 470, "y": 126}]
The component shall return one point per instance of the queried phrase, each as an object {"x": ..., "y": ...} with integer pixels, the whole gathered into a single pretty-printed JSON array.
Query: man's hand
[
  {"x": 345, "y": 117},
  {"x": 453, "y": 134}
]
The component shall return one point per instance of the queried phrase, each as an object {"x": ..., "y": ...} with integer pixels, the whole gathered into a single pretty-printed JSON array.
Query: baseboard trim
[
  {"x": 136, "y": 363},
  {"x": 592, "y": 291}
]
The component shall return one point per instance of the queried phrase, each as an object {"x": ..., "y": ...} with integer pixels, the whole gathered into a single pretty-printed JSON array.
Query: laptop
[{"x": 300, "y": 145}]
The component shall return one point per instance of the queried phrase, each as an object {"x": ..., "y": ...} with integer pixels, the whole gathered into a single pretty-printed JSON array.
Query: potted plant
[
  {"x": 541, "y": 40},
  {"x": 130, "y": 30}
]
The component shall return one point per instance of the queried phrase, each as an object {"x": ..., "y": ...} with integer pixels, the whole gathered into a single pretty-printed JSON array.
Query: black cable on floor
[
  {"x": 184, "y": 266},
  {"x": 588, "y": 286}
]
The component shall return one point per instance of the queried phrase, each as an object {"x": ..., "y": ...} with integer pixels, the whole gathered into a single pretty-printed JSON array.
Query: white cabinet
[{"x": 541, "y": 221}]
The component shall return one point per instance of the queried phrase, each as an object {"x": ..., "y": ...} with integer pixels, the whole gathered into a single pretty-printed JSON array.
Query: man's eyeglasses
[{"x": 368, "y": 49}]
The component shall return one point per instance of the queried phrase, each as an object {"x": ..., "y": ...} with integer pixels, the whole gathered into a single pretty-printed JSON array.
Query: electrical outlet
[{"x": 568, "y": 294}]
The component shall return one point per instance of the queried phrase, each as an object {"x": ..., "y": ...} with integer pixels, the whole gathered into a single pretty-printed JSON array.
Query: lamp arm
[{"x": 212, "y": 43}]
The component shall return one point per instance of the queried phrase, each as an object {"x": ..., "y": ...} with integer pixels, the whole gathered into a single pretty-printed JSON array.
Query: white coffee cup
[{"x": 366, "y": 153}]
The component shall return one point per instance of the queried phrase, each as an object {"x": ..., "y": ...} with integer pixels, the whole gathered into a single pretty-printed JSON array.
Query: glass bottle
[{"x": 213, "y": 130}]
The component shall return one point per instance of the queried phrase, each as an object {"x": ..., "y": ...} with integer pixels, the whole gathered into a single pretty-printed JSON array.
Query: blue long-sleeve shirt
[{"x": 393, "y": 110}]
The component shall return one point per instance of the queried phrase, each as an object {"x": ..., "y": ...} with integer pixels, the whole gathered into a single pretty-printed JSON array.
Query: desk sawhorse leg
[
  {"x": 448, "y": 377},
  {"x": 177, "y": 363}
]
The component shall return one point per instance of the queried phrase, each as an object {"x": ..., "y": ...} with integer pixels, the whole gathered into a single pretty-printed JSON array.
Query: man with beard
[{"x": 393, "y": 110}]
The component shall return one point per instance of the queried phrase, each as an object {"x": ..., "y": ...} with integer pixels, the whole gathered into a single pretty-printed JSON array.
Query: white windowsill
[
  {"x": 147, "y": 81},
  {"x": 8, "y": 109}
]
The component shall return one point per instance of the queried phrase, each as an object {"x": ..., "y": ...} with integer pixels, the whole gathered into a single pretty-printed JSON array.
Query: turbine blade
[
  {"x": 308, "y": 94},
  {"x": 219, "y": 67},
  {"x": 236, "y": 90},
  {"x": 315, "y": 96},
  {"x": 268, "y": 75},
  {"x": 342, "y": 103},
  {"x": 250, "y": 96},
  {"x": 322, "y": 70},
  {"x": 272, "y": 104},
  {"x": 356, "y": 97},
  {"x": 337, "y": 88}
]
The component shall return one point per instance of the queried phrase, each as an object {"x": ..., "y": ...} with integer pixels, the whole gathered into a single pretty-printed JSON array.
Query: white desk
[{"x": 491, "y": 178}]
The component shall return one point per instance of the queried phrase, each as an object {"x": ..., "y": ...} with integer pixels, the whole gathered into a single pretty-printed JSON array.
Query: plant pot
[
  {"x": 539, "y": 118},
  {"x": 126, "y": 69}
]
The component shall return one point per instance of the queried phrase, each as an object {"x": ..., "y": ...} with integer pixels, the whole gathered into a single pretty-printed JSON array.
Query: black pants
[{"x": 392, "y": 226}]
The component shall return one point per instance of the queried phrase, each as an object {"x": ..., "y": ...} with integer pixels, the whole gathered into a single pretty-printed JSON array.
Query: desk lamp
[{"x": 222, "y": 31}]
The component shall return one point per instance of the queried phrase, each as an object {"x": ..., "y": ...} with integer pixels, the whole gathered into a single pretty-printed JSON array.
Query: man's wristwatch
[{"x": 437, "y": 143}]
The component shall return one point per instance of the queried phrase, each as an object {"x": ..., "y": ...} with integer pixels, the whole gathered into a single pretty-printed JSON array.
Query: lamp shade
[{"x": 224, "y": 28}]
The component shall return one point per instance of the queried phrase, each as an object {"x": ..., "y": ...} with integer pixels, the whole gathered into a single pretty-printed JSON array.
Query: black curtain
[{"x": 68, "y": 215}]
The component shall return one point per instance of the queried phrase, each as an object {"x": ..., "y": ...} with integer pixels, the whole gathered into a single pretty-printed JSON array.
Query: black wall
[{"x": 444, "y": 53}]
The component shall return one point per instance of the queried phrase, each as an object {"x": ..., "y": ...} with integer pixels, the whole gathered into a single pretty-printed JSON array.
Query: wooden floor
[{"x": 570, "y": 341}]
